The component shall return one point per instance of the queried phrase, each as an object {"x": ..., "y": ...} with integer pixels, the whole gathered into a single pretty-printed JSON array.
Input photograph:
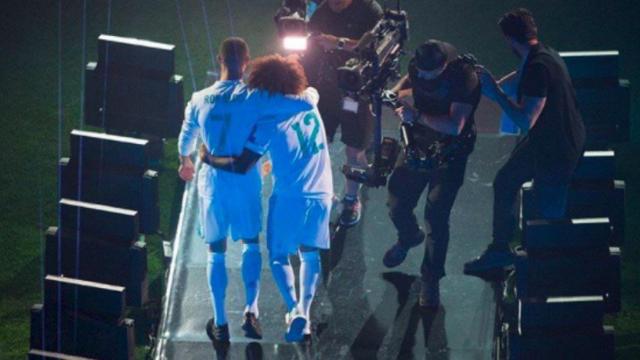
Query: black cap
[{"x": 432, "y": 54}]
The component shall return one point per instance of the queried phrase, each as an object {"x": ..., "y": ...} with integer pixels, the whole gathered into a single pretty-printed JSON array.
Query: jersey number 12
[{"x": 308, "y": 143}]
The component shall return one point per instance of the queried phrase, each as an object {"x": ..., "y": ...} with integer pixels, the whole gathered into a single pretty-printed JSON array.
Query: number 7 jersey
[{"x": 299, "y": 152}]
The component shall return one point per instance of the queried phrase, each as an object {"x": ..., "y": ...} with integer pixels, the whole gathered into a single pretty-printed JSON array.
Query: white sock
[
  {"x": 309, "y": 275},
  {"x": 285, "y": 280},
  {"x": 217, "y": 276},
  {"x": 251, "y": 267}
]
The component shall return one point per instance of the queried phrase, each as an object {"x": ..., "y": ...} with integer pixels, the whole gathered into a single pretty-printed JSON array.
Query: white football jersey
[
  {"x": 299, "y": 152},
  {"x": 225, "y": 114}
]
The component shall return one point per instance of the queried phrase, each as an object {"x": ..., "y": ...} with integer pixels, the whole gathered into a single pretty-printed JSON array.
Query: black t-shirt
[
  {"x": 458, "y": 83},
  {"x": 352, "y": 22},
  {"x": 558, "y": 135}
]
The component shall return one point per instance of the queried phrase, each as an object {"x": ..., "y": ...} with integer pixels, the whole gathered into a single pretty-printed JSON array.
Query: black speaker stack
[
  {"x": 96, "y": 257},
  {"x": 112, "y": 170},
  {"x": 84, "y": 318},
  {"x": 567, "y": 271}
]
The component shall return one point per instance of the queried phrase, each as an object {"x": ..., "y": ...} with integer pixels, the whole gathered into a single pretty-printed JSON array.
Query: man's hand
[
  {"x": 488, "y": 83},
  {"x": 186, "y": 169},
  {"x": 407, "y": 112},
  {"x": 267, "y": 166},
  {"x": 326, "y": 41}
]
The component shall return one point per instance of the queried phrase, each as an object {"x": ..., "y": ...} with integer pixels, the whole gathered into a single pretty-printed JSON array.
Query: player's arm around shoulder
[
  {"x": 270, "y": 104},
  {"x": 311, "y": 96}
]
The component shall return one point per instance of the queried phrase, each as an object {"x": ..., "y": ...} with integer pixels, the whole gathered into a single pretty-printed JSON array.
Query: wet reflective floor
[{"x": 362, "y": 310}]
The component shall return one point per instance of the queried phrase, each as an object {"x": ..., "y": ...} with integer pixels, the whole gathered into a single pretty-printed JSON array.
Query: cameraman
[
  {"x": 337, "y": 26},
  {"x": 446, "y": 93}
]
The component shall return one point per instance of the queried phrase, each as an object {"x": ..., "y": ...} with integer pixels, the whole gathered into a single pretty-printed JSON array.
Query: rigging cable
[{"x": 186, "y": 45}]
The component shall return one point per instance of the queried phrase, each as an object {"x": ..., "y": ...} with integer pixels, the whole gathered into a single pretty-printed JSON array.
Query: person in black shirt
[
  {"x": 336, "y": 27},
  {"x": 446, "y": 93},
  {"x": 553, "y": 141}
]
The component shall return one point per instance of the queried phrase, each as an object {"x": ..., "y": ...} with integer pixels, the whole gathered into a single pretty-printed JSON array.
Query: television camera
[
  {"x": 378, "y": 55},
  {"x": 376, "y": 63},
  {"x": 423, "y": 149},
  {"x": 365, "y": 76}
]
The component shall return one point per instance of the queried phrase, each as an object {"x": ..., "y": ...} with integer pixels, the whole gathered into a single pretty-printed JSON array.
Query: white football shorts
[{"x": 297, "y": 221}]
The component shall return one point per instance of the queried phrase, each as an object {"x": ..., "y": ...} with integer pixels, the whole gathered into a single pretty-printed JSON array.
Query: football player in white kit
[
  {"x": 300, "y": 206},
  {"x": 224, "y": 115}
]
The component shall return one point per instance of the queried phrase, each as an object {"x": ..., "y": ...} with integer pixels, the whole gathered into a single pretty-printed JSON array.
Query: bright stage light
[{"x": 296, "y": 43}]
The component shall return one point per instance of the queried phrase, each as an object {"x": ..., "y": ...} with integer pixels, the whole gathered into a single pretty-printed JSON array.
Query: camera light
[{"x": 296, "y": 43}]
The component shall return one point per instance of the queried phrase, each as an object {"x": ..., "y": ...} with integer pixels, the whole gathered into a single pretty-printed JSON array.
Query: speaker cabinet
[
  {"x": 596, "y": 166},
  {"x": 123, "y": 189},
  {"x": 603, "y": 98},
  {"x": 570, "y": 345},
  {"x": 79, "y": 255},
  {"x": 558, "y": 315},
  {"x": 567, "y": 235},
  {"x": 115, "y": 225},
  {"x": 137, "y": 56},
  {"x": 61, "y": 331},
  {"x": 48, "y": 355},
  {"x": 586, "y": 200},
  {"x": 567, "y": 275},
  {"x": 100, "y": 151},
  {"x": 91, "y": 299}
]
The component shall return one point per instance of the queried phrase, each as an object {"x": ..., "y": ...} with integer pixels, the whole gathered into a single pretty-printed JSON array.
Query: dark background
[{"x": 35, "y": 129}]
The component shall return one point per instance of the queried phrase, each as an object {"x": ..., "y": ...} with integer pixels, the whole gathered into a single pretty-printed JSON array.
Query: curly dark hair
[{"x": 277, "y": 74}]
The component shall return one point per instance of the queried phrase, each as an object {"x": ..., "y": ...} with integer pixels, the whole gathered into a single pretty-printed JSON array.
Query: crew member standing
[
  {"x": 337, "y": 26},
  {"x": 546, "y": 111}
]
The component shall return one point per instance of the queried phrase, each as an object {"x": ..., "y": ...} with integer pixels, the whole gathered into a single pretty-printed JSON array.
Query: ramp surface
[{"x": 362, "y": 310}]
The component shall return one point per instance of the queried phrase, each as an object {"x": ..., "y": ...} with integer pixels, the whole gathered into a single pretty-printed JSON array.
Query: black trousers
[
  {"x": 550, "y": 189},
  {"x": 405, "y": 188},
  {"x": 356, "y": 128}
]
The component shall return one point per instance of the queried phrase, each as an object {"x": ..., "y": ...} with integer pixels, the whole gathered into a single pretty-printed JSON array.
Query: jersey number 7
[{"x": 222, "y": 138}]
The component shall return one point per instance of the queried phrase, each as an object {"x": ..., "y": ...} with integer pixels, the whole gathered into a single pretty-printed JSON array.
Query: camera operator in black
[
  {"x": 336, "y": 27},
  {"x": 446, "y": 93}
]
